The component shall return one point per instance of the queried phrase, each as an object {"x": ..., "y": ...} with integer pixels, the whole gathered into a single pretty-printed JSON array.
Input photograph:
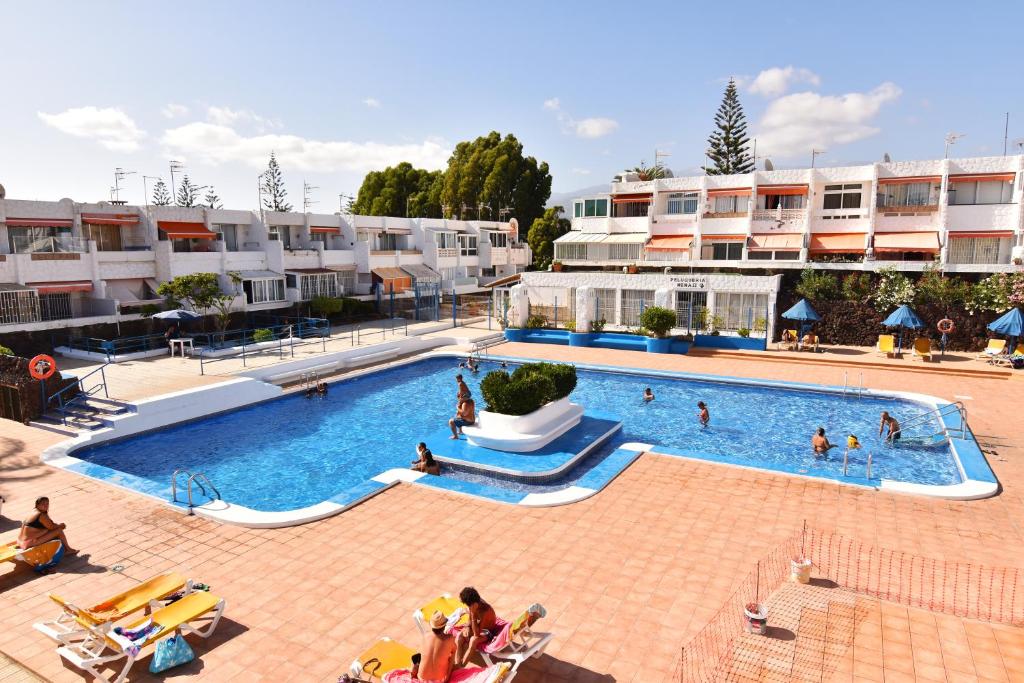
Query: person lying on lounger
[
  {"x": 426, "y": 463},
  {"x": 481, "y": 627},
  {"x": 38, "y": 528}
]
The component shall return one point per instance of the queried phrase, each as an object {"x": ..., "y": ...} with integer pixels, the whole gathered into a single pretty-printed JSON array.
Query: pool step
[{"x": 84, "y": 413}]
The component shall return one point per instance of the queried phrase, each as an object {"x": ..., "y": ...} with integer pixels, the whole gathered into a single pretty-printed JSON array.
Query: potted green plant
[{"x": 658, "y": 322}]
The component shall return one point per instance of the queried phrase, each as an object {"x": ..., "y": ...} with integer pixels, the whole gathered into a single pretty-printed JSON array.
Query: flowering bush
[
  {"x": 997, "y": 293},
  {"x": 894, "y": 289}
]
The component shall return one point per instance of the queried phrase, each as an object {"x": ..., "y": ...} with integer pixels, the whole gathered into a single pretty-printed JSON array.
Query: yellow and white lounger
[
  {"x": 388, "y": 655},
  {"x": 39, "y": 555},
  {"x": 886, "y": 345},
  {"x": 100, "y": 648},
  {"x": 994, "y": 348},
  {"x": 923, "y": 348},
  {"x": 69, "y": 627}
]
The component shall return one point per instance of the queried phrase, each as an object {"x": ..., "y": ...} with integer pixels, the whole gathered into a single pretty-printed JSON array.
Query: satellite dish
[
  {"x": 3, "y": 192},
  {"x": 768, "y": 165},
  {"x": 886, "y": 158}
]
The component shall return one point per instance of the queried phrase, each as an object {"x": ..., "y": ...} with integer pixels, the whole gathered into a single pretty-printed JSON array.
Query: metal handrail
[
  {"x": 198, "y": 478},
  {"x": 283, "y": 343},
  {"x": 957, "y": 406},
  {"x": 79, "y": 384}
]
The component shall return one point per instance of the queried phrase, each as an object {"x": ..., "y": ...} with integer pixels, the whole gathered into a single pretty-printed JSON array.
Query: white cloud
[
  {"x": 218, "y": 144},
  {"x": 777, "y": 80},
  {"x": 226, "y": 116},
  {"x": 595, "y": 127},
  {"x": 173, "y": 111},
  {"x": 581, "y": 171},
  {"x": 372, "y": 102},
  {"x": 796, "y": 123},
  {"x": 110, "y": 126}
]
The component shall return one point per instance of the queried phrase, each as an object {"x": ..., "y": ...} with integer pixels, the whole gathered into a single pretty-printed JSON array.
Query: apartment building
[
  {"x": 964, "y": 214},
  {"x": 67, "y": 264}
]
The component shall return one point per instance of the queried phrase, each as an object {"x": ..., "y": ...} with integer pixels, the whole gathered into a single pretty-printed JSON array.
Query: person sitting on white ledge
[{"x": 465, "y": 415}]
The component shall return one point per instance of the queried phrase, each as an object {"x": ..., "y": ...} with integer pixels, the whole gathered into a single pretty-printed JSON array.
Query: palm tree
[{"x": 649, "y": 172}]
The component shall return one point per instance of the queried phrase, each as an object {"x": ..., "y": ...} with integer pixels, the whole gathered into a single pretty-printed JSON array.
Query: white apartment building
[
  {"x": 964, "y": 214},
  {"x": 68, "y": 264}
]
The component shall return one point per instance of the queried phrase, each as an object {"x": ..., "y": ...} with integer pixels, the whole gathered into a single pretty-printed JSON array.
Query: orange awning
[
  {"x": 670, "y": 243},
  {"x": 639, "y": 197},
  {"x": 982, "y": 177},
  {"x": 61, "y": 287},
  {"x": 782, "y": 189},
  {"x": 39, "y": 222},
  {"x": 324, "y": 230},
  {"x": 181, "y": 230},
  {"x": 110, "y": 218},
  {"x": 734, "y": 192},
  {"x": 838, "y": 243},
  {"x": 906, "y": 241},
  {"x": 910, "y": 179},
  {"x": 723, "y": 238},
  {"x": 790, "y": 241},
  {"x": 1001, "y": 234}
]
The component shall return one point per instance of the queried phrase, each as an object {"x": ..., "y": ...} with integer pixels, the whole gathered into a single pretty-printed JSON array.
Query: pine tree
[
  {"x": 727, "y": 146},
  {"x": 187, "y": 193},
  {"x": 212, "y": 200},
  {"x": 161, "y": 197},
  {"x": 273, "y": 187}
]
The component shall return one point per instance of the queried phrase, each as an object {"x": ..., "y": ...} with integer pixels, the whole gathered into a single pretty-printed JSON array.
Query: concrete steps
[{"x": 83, "y": 413}]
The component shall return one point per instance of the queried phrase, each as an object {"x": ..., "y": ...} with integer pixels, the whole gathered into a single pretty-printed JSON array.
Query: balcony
[
  {"x": 780, "y": 215},
  {"x": 447, "y": 253},
  {"x": 23, "y": 244},
  {"x": 125, "y": 265},
  {"x": 519, "y": 256},
  {"x": 925, "y": 210},
  {"x": 981, "y": 216}
]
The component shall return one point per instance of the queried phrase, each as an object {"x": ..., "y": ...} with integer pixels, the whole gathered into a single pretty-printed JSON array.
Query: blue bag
[{"x": 171, "y": 652}]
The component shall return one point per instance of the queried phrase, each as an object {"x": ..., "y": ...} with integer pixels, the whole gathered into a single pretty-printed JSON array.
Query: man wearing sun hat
[{"x": 438, "y": 651}]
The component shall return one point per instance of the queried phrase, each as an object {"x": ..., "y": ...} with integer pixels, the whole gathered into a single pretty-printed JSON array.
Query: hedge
[{"x": 528, "y": 388}]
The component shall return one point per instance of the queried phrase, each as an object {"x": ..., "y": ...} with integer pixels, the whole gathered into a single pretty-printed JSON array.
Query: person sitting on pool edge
[
  {"x": 703, "y": 415},
  {"x": 481, "y": 627},
  {"x": 38, "y": 528},
  {"x": 426, "y": 462},
  {"x": 890, "y": 422},
  {"x": 820, "y": 443},
  {"x": 648, "y": 395},
  {"x": 464, "y": 415}
]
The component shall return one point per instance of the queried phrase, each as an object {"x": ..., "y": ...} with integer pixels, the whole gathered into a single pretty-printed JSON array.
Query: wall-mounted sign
[{"x": 692, "y": 282}]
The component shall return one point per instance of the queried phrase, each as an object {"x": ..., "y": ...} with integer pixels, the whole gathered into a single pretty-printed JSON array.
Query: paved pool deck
[{"x": 627, "y": 576}]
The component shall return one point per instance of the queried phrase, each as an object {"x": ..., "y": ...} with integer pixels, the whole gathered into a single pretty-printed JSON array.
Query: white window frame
[
  {"x": 467, "y": 245},
  {"x": 683, "y": 202}
]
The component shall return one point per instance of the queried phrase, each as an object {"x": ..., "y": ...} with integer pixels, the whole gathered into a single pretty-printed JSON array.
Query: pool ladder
[
  {"x": 198, "y": 478},
  {"x": 309, "y": 380},
  {"x": 851, "y": 389}
]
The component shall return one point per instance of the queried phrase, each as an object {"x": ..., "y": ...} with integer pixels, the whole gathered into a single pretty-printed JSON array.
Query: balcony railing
[
  {"x": 725, "y": 214},
  {"x": 666, "y": 255},
  {"x": 24, "y": 244},
  {"x": 908, "y": 210},
  {"x": 780, "y": 214},
  {"x": 447, "y": 253}
]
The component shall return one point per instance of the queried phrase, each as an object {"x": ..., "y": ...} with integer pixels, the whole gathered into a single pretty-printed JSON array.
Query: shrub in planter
[
  {"x": 657, "y": 320},
  {"x": 598, "y": 325},
  {"x": 536, "y": 321},
  {"x": 563, "y": 376},
  {"x": 528, "y": 388},
  {"x": 262, "y": 335},
  {"x": 570, "y": 325},
  {"x": 743, "y": 332}
]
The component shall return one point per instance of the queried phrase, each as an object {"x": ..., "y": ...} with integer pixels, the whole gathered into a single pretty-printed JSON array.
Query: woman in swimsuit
[{"x": 38, "y": 528}]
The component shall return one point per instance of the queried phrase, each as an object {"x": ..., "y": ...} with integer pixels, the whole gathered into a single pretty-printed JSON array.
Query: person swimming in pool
[
  {"x": 852, "y": 443},
  {"x": 703, "y": 415},
  {"x": 648, "y": 395},
  {"x": 820, "y": 443}
]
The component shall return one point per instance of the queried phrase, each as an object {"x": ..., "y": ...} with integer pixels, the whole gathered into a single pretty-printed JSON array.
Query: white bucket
[
  {"x": 800, "y": 570},
  {"x": 756, "y": 620}
]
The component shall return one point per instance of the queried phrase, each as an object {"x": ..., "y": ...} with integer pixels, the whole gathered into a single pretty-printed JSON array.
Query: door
[{"x": 690, "y": 310}]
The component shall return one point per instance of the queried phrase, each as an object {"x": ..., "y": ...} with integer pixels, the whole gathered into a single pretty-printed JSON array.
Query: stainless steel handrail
[
  {"x": 957, "y": 406},
  {"x": 198, "y": 478}
]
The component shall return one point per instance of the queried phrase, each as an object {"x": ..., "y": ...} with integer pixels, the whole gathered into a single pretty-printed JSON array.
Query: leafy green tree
[
  {"x": 542, "y": 235},
  {"x": 274, "y": 193},
  {"x": 211, "y": 199},
  {"x": 326, "y": 306},
  {"x": 728, "y": 144},
  {"x": 817, "y": 285},
  {"x": 492, "y": 170},
  {"x": 161, "y": 197},
  {"x": 199, "y": 291},
  {"x": 188, "y": 195},
  {"x": 858, "y": 287},
  {"x": 935, "y": 288},
  {"x": 400, "y": 191}
]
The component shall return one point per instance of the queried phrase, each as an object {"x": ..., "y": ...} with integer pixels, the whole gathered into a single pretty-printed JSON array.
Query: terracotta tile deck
[{"x": 628, "y": 576}]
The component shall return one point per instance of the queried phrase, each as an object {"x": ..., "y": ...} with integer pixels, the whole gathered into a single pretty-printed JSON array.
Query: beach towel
[
  {"x": 473, "y": 674},
  {"x": 501, "y": 638}
]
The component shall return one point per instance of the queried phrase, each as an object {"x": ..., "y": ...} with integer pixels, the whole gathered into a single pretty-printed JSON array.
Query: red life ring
[
  {"x": 42, "y": 367},
  {"x": 945, "y": 326}
]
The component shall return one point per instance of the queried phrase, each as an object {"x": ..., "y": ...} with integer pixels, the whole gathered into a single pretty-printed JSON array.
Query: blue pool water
[{"x": 294, "y": 452}]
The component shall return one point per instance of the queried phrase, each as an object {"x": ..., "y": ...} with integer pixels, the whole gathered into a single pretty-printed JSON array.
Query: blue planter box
[
  {"x": 656, "y": 345},
  {"x": 601, "y": 340},
  {"x": 711, "y": 341},
  {"x": 514, "y": 334},
  {"x": 580, "y": 338}
]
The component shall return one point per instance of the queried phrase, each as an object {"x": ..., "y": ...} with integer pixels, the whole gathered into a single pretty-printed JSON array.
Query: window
[
  {"x": 904, "y": 194},
  {"x": 631, "y": 209},
  {"x": 683, "y": 203},
  {"x": 263, "y": 291},
  {"x": 387, "y": 241},
  {"x": 722, "y": 251},
  {"x": 33, "y": 240},
  {"x": 18, "y": 306},
  {"x": 449, "y": 273},
  {"x": 498, "y": 239},
  {"x": 606, "y": 304},
  {"x": 362, "y": 236},
  {"x": 731, "y": 204},
  {"x": 846, "y": 196},
  {"x": 773, "y": 255},
  {"x": 106, "y": 237},
  {"x": 981, "y": 192},
  {"x": 577, "y": 209},
  {"x": 346, "y": 282},
  {"x": 785, "y": 201},
  {"x": 737, "y": 310},
  {"x": 319, "y": 284},
  {"x": 978, "y": 250},
  {"x": 319, "y": 237},
  {"x": 55, "y": 306},
  {"x": 467, "y": 245},
  {"x": 571, "y": 251},
  {"x": 281, "y": 233},
  {"x": 634, "y": 301},
  {"x": 273, "y": 233},
  {"x": 595, "y": 208},
  {"x": 487, "y": 272},
  {"x": 444, "y": 240}
]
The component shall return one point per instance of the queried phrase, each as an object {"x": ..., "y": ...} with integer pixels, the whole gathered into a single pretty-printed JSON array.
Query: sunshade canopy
[
  {"x": 802, "y": 311},
  {"x": 1010, "y": 323},
  {"x": 903, "y": 316}
]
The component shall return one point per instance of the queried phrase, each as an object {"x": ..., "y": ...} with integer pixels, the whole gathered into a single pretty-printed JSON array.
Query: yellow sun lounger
[
  {"x": 387, "y": 655},
  {"x": 994, "y": 348},
  {"x": 1005, "y": 358},
  {"x": 74, "y": 622},
  {"x": 39, "y": 555},
  {"x": 923, "y": 348},
  {"x": 102, "y": 648},
  {"x": 886, "y": 345},
  {"x": 446, "y": 604}
]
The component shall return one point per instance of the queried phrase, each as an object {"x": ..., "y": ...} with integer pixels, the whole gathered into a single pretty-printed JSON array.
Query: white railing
[
  {"x": 674, "y": 256},
  {"x": 24, "y": 244},
  {"x": 780, "y": 214},
  {"x": 447, "y": 253}
]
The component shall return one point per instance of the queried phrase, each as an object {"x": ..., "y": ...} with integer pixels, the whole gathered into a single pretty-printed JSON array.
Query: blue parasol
[
  {"x": 902, "y": 317},
  {"x": 177, "y": 314},
  {"x": 804, "y": 312},
  {"x": 1010, "y": 324}
]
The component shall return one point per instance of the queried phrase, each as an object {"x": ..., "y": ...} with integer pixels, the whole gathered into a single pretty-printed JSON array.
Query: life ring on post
[
  {"x": 945, "y": 326},
  {"x": 42, "y": 367}
]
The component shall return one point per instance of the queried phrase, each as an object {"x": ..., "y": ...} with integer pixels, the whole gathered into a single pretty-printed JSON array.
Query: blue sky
[{"x": 341, "y": 88}]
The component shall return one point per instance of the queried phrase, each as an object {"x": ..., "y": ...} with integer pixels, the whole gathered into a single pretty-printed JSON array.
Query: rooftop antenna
[
  {"x": 951, "y": 139},
  {"x": 175, "y": 166},
  {"x": 658, "y": 156},
  {"x": 119, "y": 175},
  {"x": 814, "y": 154},
  {"x": 463, "y": 213},
  {"x": 480, "y": 211},
  {"x": 307, "y": 189},
  {"x": 1006, "y": 132},
  {"x": 886, "y": 159},
  {"x": 503, "y": 212}
]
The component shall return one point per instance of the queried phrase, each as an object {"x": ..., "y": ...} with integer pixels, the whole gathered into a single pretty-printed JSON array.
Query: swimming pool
[{"x": 295, "y": 452}]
